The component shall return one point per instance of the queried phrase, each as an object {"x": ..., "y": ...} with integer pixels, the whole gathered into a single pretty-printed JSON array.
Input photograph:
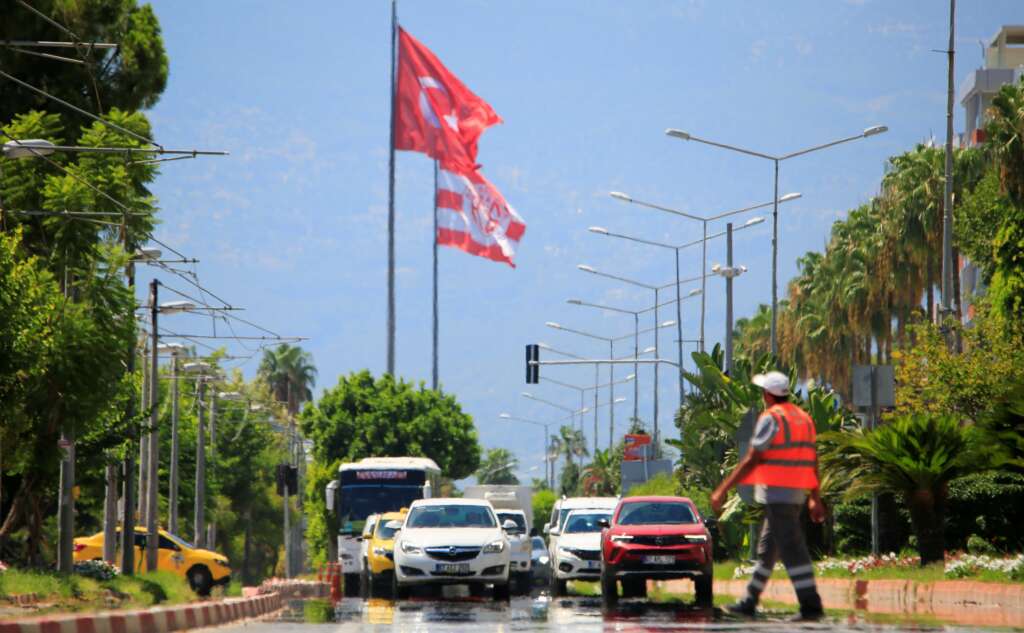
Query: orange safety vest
[{"x": 789, "y": 461}]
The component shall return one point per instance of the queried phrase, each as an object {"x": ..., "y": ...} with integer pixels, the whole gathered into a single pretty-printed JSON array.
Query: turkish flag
[{"x": 435, "y": 113}]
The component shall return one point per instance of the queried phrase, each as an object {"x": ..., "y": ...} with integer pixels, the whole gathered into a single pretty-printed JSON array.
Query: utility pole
[
  {"x": 199, "y": 522},
  {"x": 287, "y": 508},
  {"x": 66, "y": 506},
  {"x": 728, "y": 299},
  {"x": 128, "y": 472},
  {"x": 152, "y": 507},
  {"x": 143, "y": 500},
  {"x": 110, "y": 514},
  {"x": 211, "y": 528},
  {"x": 948, "y": 269},
  {"x": 172, "y": 493}
]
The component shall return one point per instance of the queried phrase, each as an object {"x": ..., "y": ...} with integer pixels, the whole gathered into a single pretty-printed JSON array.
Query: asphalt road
[{"x": 584, "y": 615}]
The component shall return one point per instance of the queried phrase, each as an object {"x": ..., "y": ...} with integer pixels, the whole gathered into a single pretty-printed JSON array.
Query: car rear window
[
  {"x": 580, "y": 523},
  {"x": 656, "y": 513}
]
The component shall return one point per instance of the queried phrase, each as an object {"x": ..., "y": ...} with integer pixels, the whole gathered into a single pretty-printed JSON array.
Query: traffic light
[
  {"x": 287, "y": 476},
  {"x": 532, "y": 368}
]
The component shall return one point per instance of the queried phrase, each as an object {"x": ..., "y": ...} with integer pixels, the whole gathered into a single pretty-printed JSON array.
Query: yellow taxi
[
  {"x": 201, "y": 567},
  {"x": 380, "y": 560}
]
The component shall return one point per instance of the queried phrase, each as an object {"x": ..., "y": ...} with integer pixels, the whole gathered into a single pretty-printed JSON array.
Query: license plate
[
  {"x": 452, "y": 568},
  {"x": 593, "y": 564},
  {"x": 659, "y": 560}
]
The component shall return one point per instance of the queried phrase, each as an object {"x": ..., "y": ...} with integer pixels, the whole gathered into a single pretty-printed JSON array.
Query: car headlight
[
  {"x": 222, "y": 563},
  {"x": 494, "y": 547},
  {"x": 380, "y": 551},
  {"x": 544, "y": 560},
  {"x": 565, "y": 551},
  {"x": 409, "y": 548},
  {"x": 697, "y": 538},
  {"x": 621, "y": 537}
]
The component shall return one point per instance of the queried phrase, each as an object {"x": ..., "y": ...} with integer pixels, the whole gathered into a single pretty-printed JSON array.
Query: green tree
[
  {"x": 916, "y": 456},
  {"x": 290, "y": 373},
  {"x": 601, "y": 475},
  {"x": 129, "y": 77},
  {"x": 498, "y": 467},
  {"x": 543, "y": 502},
  {"x": 70, "y": 383},
  {"x": 367, "y": 417}
]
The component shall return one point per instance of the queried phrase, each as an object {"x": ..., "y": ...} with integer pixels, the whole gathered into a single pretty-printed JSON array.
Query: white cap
[{"x": 774, "y": 382}]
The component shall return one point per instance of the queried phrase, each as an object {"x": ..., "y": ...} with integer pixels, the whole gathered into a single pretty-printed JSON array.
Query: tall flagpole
[
  {"x": 391, "y": 197},
  {"x": 435, "y": 374}
]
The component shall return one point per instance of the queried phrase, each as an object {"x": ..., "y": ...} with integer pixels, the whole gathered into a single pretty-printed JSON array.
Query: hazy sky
[{"x": 292, "y": 226}]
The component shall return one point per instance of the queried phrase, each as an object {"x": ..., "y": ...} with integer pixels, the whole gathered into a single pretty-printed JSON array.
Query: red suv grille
[{"x": 668, "y": 539}]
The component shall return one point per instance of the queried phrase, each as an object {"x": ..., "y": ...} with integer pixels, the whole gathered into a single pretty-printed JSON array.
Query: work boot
[
  {"x": 808, "y": 616},
  {"x": 745, "y": 607}
]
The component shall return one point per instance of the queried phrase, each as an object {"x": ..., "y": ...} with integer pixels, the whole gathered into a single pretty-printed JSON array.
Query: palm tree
[
  {"x": 498, "y": 467},
  {"x": 290, "y": 373},
  {"x": 915, "y": 456},
  {"x": 600, "y": 478}
]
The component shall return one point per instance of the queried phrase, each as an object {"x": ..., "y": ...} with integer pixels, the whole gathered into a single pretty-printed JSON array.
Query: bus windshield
[{"x": 358, "y": 502}]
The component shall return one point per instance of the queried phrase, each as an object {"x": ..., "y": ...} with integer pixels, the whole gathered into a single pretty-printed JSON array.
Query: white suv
[
  {"x": 559, "y": 512},
  {"x": 578, "y": 554},
  {"x": 449, "y": 542}
]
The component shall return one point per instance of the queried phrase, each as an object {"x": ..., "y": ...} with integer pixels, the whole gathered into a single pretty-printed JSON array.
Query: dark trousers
[{"x": 782, "y": 536}]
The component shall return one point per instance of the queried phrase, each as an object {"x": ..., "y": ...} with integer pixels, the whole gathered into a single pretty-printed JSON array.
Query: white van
[{"x": 553, "y": 528}]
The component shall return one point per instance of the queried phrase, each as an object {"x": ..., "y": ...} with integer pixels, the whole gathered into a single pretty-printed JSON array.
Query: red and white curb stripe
[{"x": 163, "y": 620}]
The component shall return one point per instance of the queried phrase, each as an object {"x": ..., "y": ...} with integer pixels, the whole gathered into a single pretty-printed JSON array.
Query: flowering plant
[
  {"x": 965, "y": 565},
  {"x": 98, "y": 569},
  {"x": 2, "y": 566}
]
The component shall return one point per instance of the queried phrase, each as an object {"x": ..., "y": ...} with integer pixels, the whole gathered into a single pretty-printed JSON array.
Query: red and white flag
[
  {"x": 435, "y": 113},
  {"x": 473, "y": 216}
]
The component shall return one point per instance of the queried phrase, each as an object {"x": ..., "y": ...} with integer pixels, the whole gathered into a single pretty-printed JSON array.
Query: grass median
[{"x": 73, "y": 592}]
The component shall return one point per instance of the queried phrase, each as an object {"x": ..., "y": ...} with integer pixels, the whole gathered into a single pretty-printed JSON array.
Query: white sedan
[{"x": 452, "y": 541}]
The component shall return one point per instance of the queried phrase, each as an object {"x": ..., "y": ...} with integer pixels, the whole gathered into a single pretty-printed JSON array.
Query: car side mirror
[
  {"x": 711, "y": 523},
  {"x": 603, "y": 523},
  {"x": 547, "y": 528},
  {"x": 393, "y": 525},
  {"x": 509, "y": 525}
]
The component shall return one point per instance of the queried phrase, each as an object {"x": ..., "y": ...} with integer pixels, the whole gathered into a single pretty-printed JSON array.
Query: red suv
[{"x": 652, "y": 538}]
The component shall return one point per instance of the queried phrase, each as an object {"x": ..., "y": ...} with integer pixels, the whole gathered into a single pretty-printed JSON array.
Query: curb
[
  {"x": 960, "y": 601},
  {"x": 162, "y": 620}
]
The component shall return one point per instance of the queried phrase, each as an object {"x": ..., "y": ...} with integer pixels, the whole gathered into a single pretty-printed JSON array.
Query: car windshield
[
  {"x": 655, "y": 513},
  {"x": 384, "y": 532},
  {"x": 578, "y": 523},
  {"x": 538, "y": 544},
  {"x": 565, "y": 512},
  {"x": 514, "y": 517},
  {"x": 451, "y": 516},
  {"x": 179, "y": 541}
]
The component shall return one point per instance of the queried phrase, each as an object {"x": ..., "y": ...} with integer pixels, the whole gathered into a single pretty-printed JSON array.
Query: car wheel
[
  {"x": 502, "y": 592},
  {"x": 398, "y": 590},
  {"x": 524, "y": 581},
  {"x": 200, "y": 580},
  {"x": 380, "y": 585},
  {"x": 364, "y": 582},
  {"x": 634, "y": 588},
  {"x": 609, "y": 587},
  {"x": 704, "y": 588},
  {"x": 351, "y": 585}
]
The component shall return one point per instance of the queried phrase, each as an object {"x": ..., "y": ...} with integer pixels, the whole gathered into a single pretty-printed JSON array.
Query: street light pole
[
  {"x": 776, "y": 159},
  {"x": 152, "y": 522},
  {"x": 728, "y": 300}
]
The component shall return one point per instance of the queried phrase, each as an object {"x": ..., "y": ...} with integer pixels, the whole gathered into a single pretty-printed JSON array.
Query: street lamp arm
[
  {"x": 762, "y": 205},
  {"x": 689, "y": 137},
  {"x": 562, "y": 384},
  {"x": 819, "y": 147},
  {"x": 580, "y": 333},
  {"x": 590, "y": 270},
  {"x": 658, "y": 207},
  {"x": 579, "y": 302},
  {"x": 636, "y": 239}
]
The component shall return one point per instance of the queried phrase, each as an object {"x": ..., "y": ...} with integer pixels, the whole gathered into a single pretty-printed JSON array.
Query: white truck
[{"x": 514, "y": 503}]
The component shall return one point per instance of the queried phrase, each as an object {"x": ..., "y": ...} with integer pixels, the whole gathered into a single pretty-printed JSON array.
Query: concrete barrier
[{"x": 160, "y": 620}]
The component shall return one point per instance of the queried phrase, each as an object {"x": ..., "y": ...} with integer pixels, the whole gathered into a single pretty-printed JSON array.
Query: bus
[{"x": 374, "y": 485}]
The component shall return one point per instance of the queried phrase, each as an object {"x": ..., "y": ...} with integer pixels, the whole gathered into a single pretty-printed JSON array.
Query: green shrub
[
  {"x": 989, "y": 505},
  {"x": 978, "y": 545}
]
